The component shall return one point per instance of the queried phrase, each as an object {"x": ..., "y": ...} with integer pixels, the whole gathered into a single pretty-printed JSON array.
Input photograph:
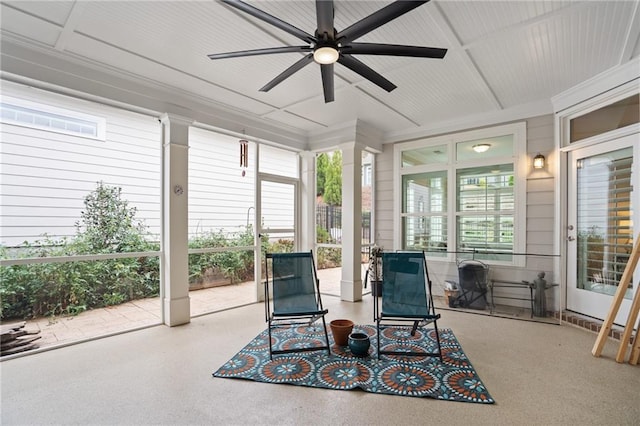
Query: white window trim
[
  {"x": 100, "y": 122},
  {"x": 519, "y": 160}
]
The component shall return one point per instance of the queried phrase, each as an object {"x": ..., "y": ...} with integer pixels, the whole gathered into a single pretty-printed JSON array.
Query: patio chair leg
[
  {"x": 378, "y": 339},
  {"x": 326, "y": 335},
  {"x": 414, "y": 328},
  {"x": 435, "y": 327},
  {"x": 270, "y": 350}
]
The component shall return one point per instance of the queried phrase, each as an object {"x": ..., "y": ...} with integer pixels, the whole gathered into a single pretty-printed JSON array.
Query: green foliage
[
  {"x": 72, "y": 287},
  {"x": 322, "y": 166},
  {"x": 281, "y": 246},
  {"x": 323, "y": 235},
  {"x": 333, "y": 185},
  {"x": 328, "y": 257},
  {"x": 329, "y": 177},
  {"x": 108, "y": 224},
  {"x": 234, "y": 265}
]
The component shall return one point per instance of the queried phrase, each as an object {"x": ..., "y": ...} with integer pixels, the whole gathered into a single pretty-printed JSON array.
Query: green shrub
[
  {"x": 107, "y": 225},
  {"x": 234, "y": 265},
  {"x": 327, "y": 257}
]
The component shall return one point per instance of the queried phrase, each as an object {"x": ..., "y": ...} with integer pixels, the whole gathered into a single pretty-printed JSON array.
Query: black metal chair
[
  {"x": 406, "y": 298},
  {"x": 473, "y": 285},
  {"x": 292, "y": 296}
]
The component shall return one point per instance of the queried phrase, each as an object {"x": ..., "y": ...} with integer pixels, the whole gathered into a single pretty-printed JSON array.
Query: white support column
[
  {"x": 351, "y": 283},
  {"x": 174, "y": 271},
  {"x": 307, "y": 232}
]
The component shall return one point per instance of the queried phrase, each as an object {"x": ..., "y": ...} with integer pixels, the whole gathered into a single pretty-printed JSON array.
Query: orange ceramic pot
[{"x": 341, "y": 329}]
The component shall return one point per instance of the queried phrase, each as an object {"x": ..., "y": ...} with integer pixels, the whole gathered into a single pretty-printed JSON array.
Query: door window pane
[
  {"x": 605, "y": 229},
  {"x": 277, "y": 201}
]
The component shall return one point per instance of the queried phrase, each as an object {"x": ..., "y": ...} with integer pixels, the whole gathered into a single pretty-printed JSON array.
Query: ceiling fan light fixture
[
  {"x": 481, "y": 147},
  {"x": 326, "y": 45},
  {"x": 325, "y": 55}
]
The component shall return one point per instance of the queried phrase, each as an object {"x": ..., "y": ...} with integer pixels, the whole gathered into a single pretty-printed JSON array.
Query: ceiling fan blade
[
  {"x": 324, "y": 12},
  {"x": 288, "y": 72},
  {"x": 377, "y": 19},
  {"x": 355, "y": 65},
  {"x": 270, "y": 19},
  {"x": 327, "y": 82},
  {"x": 283, "y": 49},
  {"x": 393, "y": 50}
]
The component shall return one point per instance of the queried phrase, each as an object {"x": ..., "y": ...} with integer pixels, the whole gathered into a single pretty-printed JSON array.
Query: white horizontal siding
[
  {"x": 71, "y": 163},
  {"x": 219, "y": 197},
  {"x": 384, "y": 198},
  {"x": 45, "y": 176},
  {"x": 19, "y": 172}
]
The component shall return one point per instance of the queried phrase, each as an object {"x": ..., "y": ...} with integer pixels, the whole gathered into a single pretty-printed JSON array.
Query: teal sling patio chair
[
  {"x": 406, "y": 298},
  {"x": 292, "y": 297}
]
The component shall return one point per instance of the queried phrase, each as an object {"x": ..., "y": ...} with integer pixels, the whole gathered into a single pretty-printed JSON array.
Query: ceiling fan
[{"x": 328, "y": 45}]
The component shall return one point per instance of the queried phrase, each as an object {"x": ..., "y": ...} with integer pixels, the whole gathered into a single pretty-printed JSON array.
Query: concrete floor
[{"x": 538, "y": 374}]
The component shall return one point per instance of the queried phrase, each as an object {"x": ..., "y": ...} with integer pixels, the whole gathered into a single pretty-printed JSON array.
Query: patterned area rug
[{"x": 453, "y": 378}]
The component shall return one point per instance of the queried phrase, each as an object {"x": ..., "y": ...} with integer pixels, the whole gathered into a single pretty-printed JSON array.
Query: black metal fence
[{"x": 329, "y": 218}]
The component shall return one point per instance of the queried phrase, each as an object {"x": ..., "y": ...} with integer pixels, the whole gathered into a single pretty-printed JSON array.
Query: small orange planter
[{"x": 341, "y": 329}]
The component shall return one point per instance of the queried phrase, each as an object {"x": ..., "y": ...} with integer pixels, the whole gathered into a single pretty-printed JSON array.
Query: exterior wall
[
  {"x": 46, "y": 175},
  {"x": 540, "y": 219},
  {"x": 384, "y": 198}
]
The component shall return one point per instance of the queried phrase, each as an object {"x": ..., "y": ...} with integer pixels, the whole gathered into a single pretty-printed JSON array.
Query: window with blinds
[
  {"x": 485, "y": 208},
  {"x": 464, "y": 194},
  {"x": 424, "y": 210},
  {"x": 605, "y": 228}
]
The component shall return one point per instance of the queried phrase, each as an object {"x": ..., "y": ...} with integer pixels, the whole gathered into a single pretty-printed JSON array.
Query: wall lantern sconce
[
  {"x": 481, "y": 147},
  {"x": 538, "y": 161}
]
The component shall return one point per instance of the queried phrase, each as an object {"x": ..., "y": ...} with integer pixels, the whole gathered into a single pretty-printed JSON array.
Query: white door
[
  {"x": 278, "y": 212},
  {"x": 603, "y": 191}
]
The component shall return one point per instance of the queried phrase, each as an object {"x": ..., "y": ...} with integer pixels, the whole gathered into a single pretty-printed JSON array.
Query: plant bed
[{"x": 210, "y": 279}]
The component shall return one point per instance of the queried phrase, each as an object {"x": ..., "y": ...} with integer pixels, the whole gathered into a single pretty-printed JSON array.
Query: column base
[
  {"x": 177, "y": 311},
  {"x": 351, "y": 291}
]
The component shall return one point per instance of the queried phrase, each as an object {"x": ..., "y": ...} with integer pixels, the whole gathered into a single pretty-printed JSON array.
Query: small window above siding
[{"x": 25, "y": 113}]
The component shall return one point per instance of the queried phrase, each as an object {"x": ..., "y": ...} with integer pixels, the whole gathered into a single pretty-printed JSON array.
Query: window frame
[
  {"x": 50, "y": 110},
  {"x": 517, "y": 157}
]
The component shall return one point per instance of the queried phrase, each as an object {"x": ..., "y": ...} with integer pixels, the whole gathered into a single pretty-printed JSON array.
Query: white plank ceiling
[{"x": 502, "y": 55}]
